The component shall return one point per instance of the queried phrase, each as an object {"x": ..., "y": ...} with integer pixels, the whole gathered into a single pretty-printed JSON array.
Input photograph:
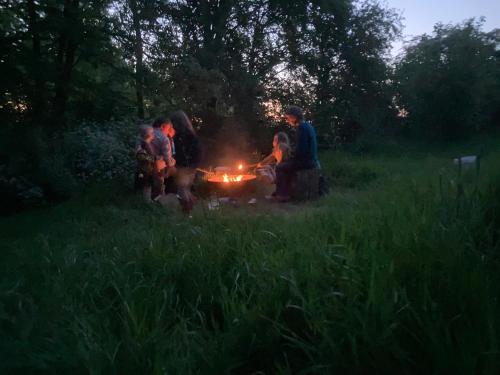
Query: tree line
[{"x": 63, "y": 61}]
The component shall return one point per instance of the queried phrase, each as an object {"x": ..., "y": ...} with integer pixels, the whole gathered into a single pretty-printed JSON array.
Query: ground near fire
[{"x": 395, "y": 271}]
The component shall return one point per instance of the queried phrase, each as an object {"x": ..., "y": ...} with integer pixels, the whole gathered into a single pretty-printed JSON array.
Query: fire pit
[
  {"x": 229, "y": 176},
  {"x": 230, "y": 182}
]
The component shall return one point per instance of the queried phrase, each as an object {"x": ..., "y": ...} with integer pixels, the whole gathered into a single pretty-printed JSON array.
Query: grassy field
[{"x": 395, "y": 272}]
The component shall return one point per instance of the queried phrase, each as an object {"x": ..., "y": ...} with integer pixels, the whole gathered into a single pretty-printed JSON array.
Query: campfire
[
  {"x": 230, "y": 183},
  {"x": 228, "y": 176}
]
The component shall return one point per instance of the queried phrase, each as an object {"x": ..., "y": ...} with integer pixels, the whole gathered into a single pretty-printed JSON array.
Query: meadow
[{"x": 396, "y": 271}]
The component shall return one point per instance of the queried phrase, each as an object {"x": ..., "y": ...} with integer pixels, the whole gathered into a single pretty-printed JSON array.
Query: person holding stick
[
  {"x": 280, "y": 153},
  {"x": 305, "y": 156}
]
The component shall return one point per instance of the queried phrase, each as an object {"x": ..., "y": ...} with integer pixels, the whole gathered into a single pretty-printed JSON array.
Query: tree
[
  {"x": 37, "y": 98},
  {"x": 449, "y": 82},
  {"x": 70, "y": 34},
  {"x": 364, "y": 81},
  {"x": 218, "y": 56},
  {"x": 134, "y": 25},
  {"x": 342, "y": 46},
  {"x": 49, "y": 51}
]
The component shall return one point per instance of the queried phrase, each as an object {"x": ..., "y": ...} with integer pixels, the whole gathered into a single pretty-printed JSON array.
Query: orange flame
[
  {"x": 240, "y": 167},
  {"x": 227, "y": 179}
]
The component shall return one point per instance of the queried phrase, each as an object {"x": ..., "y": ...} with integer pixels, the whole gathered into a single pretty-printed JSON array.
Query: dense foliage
[{"x": 449, "y": 83}]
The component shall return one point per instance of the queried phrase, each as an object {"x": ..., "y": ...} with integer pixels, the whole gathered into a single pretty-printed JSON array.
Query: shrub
[
  {"x": 17, "y": 192},
  {"x": 53, "y": 167},
  {"x": 100, "y": 152}
]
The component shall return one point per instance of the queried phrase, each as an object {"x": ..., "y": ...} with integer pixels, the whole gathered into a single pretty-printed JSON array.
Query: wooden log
[{"x": 306, "y": 185}]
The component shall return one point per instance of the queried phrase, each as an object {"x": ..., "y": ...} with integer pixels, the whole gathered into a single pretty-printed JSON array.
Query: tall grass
[{"x": 397, "y": 273}]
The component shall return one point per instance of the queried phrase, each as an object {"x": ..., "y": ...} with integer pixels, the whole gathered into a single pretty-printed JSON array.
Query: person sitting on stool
[{"x": 305, "y": 155}]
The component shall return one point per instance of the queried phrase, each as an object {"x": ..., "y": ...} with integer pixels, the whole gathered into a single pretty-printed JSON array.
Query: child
[
  {"x": 146, "y": 162},
  {"x": 281, "y": 152},
  {"x": 163, "y": 148}
]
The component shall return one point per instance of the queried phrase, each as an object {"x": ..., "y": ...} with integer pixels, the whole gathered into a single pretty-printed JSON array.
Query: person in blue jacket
[{"x": 304, "y": 157}]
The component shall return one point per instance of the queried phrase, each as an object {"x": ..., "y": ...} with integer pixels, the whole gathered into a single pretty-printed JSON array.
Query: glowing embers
[{"x": 230, "y": 178}]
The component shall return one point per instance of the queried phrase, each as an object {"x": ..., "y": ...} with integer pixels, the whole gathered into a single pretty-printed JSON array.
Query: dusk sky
[{"x": 421, "y": 15}]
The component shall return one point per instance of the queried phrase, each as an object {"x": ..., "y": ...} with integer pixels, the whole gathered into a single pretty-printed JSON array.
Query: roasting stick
[
  {"x": 251, "y": 165},
  {"x": 204, "y": 171},
  {"x": 246, "y": 167},
  {"x": 206, "y": 174},
  {"x": 209, "y": 172}
]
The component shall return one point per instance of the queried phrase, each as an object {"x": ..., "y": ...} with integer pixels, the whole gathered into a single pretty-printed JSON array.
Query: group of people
[
  {"x": 169, "y": 152},
  {"x": 281, "y": 165}
]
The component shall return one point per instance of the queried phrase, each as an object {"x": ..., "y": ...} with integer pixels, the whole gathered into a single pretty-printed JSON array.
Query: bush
[
  {"x": 47, "y": 168},
  {"x": 17, "y": 192},
  {"x": 100, "y": 152}
]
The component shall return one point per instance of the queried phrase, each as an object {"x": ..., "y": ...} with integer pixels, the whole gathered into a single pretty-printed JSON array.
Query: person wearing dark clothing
[
  {"x": 305, "y": 156},
  {"x": 188, "y": 151},
  {"x": 306, "y": 151},
  {"x": 187, "y": 156}
]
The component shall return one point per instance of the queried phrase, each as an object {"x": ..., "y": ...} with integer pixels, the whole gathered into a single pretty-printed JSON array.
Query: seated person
[
  {"x": 305, "y": 156},
  {"x": 280, "y": 153},
  {"x": 146, "y": 162}
]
